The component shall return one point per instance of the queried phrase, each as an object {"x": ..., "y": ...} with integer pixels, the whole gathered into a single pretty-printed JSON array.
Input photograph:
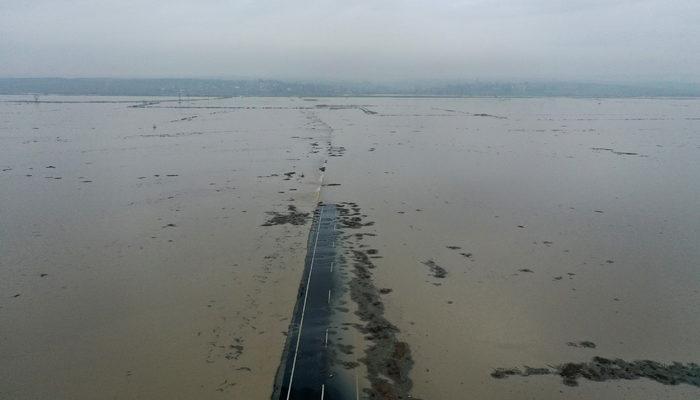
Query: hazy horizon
[
  {"x": 359, "y": 81},
  {"x": 539, "y": 40}
]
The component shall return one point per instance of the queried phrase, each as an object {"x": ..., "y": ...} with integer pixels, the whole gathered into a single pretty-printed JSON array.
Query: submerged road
[{"x": 306, "y": 370}]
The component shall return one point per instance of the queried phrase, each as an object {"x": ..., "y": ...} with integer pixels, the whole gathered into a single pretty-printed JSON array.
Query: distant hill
[{"x": 222, "y": 87}]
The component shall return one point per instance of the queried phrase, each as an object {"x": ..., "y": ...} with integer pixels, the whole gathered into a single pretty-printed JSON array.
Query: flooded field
[{"x": 487, "y": 248}]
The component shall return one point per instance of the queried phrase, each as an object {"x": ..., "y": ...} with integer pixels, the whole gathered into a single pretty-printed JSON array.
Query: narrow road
[{"x": 306, "y": 371}]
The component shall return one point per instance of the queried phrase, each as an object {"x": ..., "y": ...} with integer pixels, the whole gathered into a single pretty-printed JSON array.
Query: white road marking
[
  {"x": 326, "y": 342},
  {"x": 329, "y": 296},
  {"x": 357, "y": 379},
  {"x": 323, "y": 391},
  {"x": 320, "y": 185},
  {"x": 332, "y": 266},
  {"x": 303, "y": 309}
]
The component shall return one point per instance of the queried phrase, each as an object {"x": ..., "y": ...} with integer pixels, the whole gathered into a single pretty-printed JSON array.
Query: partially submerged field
[
  {"x": 154, "y": 249},
  {"x": 134, "y": 263}
]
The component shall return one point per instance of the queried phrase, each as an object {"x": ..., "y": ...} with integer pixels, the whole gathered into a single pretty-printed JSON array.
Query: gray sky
[{"x": 608, "y": 40}]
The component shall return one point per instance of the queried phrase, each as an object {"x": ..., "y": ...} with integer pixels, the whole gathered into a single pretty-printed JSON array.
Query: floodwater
[
  {"x": 501, "y": 233},
  {"x": 160, "y": 281}
]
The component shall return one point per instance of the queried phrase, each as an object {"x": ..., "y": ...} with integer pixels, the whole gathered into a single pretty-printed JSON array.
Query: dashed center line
[{"x": 308, "y": 365}]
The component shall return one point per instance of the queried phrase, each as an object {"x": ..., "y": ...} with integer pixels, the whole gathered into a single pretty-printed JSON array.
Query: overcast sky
[{"x": 600, "y": 40}]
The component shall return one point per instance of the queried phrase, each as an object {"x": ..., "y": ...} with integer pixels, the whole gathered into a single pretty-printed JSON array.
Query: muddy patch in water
[
  {"x": 619, "y": 153},
  {"x": 586, "y": 344},
  {"x": 436, "y": 270},
  {"x": 388, "y": 360},
  {"x": 292, "y": 217},
  {"x": 601, "y": 369}
]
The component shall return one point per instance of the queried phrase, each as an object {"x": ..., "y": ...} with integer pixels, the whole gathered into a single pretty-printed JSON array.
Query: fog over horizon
[{"x": 582, "y": 40}]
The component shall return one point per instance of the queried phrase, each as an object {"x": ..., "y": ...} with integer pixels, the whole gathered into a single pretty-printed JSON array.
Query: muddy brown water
[
  {"x": 160, "y": 280},
  {"x": 135, "y": 260}
]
